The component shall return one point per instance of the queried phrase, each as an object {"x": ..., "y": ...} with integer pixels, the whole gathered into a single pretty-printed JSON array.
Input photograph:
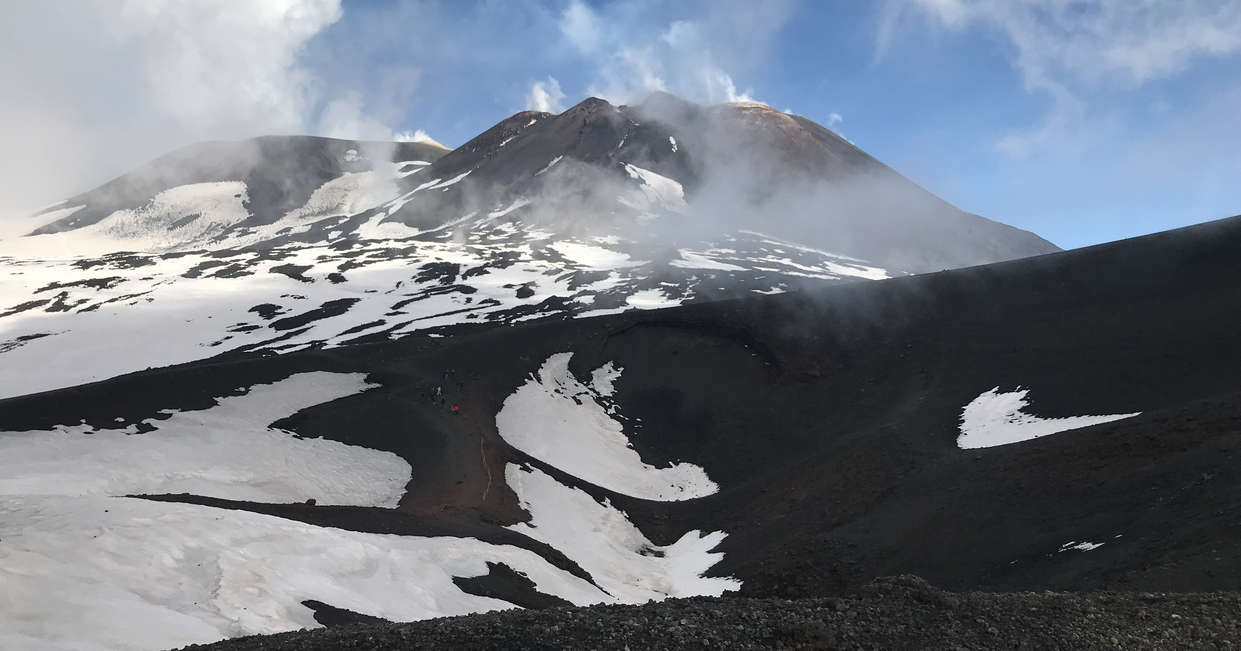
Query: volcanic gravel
[{"x": 896, "y": 612}]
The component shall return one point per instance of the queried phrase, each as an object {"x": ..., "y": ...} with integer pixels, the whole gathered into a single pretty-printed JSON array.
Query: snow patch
[
  {"x": 453, "y": 181},
  {"x": 348, "y": 194},
  {"x": 998, "y": 418},
  {"x": 517, "y": 203},
  {"x": 603, "y": 379},
  {"x": 555, "y": 418},
  {"x": 657, "y": 191},
  {"x": 227, "y": 451},
  {"x": 602, "y": 540},
  {"x": 594, "y": 257},
  {"x": 651, "y": 299},
  {"x": 118, "y": 573},
  {"x": 179, "y": 217},
  {"x": 1080, "y": 546},
  {"x": 549, "y": 165},
  {"x": 691, "y": 260}
]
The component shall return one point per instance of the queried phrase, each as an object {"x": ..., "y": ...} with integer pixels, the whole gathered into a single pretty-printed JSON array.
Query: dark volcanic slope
[
  {"x": 280, "y": 173},
  {"x": 895, "y": 613},
  {"x": 830, "y": 420},
  {"x": 741, "y": 165}
]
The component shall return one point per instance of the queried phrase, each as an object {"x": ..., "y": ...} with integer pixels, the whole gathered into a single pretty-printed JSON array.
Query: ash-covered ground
[{"x": 890, "y": 613}]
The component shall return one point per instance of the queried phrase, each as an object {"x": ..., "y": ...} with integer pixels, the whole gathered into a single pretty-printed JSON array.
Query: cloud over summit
[{"x": 103, "y": 86}]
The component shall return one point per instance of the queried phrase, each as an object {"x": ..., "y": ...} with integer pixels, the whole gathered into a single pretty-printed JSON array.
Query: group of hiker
[{"x": 437, "y": 394}]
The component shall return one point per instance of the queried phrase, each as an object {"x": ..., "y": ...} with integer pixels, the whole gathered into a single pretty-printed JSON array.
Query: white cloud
[
  {"x": 634, "y": 53},
  {"x": 580, "y": 26},
  {"x": 217, "y": 62},
  {"x": 1103, "y": 41},
  {"x": 833, "y": 120},
  {"x": 545, "y": 96},
  {"x": 1071, "y": 49},
  {"x": 102, "y": 86}
]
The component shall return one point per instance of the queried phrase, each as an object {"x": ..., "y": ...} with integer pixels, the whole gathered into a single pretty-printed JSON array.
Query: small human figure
[{"x": 456, "y": 410}]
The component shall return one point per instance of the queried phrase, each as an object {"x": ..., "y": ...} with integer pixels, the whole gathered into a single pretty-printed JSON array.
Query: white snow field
[
  {"x": 69, "y": 321},
  {"x": 176, "y": 280},
  {"x": 999, "y": 418},
  {"x": 651, "y": 299},
  {"x": 83, "y": 567},
  {"x": 107, "y": 573},
  {"x": 603, "y": 541},
  {"x": 595, "y": 258},
  {"x": 226, "y": 451},
  {"x": 179, "y": 216},
  {"x": 557, "y": 419}
]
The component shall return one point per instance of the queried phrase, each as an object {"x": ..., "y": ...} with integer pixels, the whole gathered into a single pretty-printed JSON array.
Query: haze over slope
[{"x": 739, "y": 166}]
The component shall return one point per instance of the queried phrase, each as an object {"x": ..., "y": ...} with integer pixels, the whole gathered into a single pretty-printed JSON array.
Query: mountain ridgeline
[
  {"x": 280, "y": 174},
  {"x": 661, "y": 172},
  {"x": 740, "y": 166},
  {"x": 289, "y": 242}
]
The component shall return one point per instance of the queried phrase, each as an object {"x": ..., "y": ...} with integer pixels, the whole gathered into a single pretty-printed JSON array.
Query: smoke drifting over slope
[
  {"x": 662, "y": 176},
  {"x": 668, "y": 170},
  {"x": 760, "y": 168}
]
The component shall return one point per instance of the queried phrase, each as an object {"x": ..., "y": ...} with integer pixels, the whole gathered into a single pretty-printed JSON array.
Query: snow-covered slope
[
  {"x": 81, "y": 562},
  {"x": 105, "y": 573},
  {"x": 785, "y": 445},
  {"x": 540, "y": 491},
  {"x": 196, "y": 452},
  {"x": 280, "y": 243},
  {"x": 76, "y": 320},
  {"x": 280, "y": 173},
  {"x": 574, "y": 427}
]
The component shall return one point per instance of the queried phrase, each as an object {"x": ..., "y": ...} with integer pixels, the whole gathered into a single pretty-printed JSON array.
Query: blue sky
[{"x": 1084, "y": 121}]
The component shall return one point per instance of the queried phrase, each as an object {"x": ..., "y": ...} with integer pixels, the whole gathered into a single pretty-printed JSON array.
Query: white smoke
[
  {"x": 545, "y": 96},
  {"x": 693, "y": 58}
]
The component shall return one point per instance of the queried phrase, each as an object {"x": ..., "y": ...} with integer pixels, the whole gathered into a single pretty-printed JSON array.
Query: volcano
[
  {"x": 442, "y": 403},
  {"x": 286, "y": 243}
]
